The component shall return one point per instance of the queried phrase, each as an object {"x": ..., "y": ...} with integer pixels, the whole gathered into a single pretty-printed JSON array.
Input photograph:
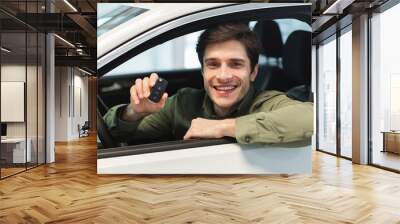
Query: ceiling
[{"x": 75, "y": 21}]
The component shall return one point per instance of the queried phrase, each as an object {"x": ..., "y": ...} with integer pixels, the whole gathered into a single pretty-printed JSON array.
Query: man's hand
[
  {"x": 205, "y": 128},
  {"x": 140, "y": 106}
]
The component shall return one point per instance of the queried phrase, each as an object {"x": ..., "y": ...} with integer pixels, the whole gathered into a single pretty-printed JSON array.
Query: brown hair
[{"x": 226, "y": 32}]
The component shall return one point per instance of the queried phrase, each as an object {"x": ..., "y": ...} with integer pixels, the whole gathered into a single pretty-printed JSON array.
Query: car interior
[{"x": 283, "y": 67}]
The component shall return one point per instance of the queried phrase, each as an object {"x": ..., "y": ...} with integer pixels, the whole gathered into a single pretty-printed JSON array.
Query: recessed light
[
  {"x": 5, "y": 50},
  {"x": 70, "y": 5}
]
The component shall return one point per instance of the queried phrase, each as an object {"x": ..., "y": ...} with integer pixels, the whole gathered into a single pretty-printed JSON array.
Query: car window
[
  {"x": 180, "y": 54},
  {"x": 175, "y": 54},
  {"x": 110, "y": 16},
  {"x": 287, "y": 26}
]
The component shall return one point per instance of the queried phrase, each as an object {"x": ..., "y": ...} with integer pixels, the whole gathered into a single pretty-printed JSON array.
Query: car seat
[
  {"x": 271, "y": 48},
  {"x": 297, "y": 65}
]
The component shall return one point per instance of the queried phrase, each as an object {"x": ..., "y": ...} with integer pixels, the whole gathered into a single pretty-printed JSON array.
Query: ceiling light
[
  {"x": 86, "y": 72},
  {"x": 70, "y": 5},
  {"x": 5, "y": 50},
  {"x": 65, "y": 41},
  {"x": 337, "y": 7}
]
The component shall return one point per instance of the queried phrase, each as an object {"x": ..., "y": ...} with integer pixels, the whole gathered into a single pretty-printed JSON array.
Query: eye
[
  {"x": 212, "y": 64},
  {"x": 236, "y": 64}
]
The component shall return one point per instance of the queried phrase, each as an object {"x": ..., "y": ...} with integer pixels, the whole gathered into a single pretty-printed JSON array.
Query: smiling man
[{"x": 228, "y": 105}]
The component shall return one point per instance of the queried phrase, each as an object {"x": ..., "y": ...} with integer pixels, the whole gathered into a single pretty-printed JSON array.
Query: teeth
[{"x": 224, "y": 88}]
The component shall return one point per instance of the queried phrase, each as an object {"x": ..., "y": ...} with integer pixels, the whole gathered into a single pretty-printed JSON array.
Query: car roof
[{"x": 156, "y": 15}]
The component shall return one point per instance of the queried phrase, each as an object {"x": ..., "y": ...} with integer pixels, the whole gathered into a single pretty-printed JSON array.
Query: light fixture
[
  {"x": 65, "y": 41},
  {"x": 86, "y": 72},
  {"x": 5, "y": 50},
  {"x": 337, "y": 7},
  {"x": 70, "y": 5}
]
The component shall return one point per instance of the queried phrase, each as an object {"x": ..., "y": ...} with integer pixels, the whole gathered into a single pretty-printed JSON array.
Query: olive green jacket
[{"x": 261, "y": 117}]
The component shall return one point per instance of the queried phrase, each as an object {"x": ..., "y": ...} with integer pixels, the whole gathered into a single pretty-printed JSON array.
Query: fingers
[
  {"x": 191, "y": 133},
  {"x": 188, "y": 135},
  {"x": 139, "y": 88},
  {"x": 163, "y": 99},
  {"x": 134, "y": 96},
  {"x": 146, "y": 87},
  {"x": 143, "y": 86},
  {"x": 153, "y": 79}
]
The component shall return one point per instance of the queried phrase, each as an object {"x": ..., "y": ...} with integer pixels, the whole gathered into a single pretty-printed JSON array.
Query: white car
[{"x": 137, "y": 39}]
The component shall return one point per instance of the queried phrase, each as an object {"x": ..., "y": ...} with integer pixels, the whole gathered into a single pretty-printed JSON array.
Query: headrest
[
  {"x": 270, "y": 38},
  {"x": 296, "y": 66}
]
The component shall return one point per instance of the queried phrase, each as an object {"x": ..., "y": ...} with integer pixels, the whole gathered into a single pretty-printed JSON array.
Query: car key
[{"x": 158, "y": 90}]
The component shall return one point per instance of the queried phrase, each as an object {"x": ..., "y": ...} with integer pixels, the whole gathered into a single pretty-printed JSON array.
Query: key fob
[{"x": 158, "y": 90}]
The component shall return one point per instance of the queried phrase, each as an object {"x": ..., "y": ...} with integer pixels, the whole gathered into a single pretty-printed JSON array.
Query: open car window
[
  {"x": 179, "y": 53},
  {"x": 173, "y": 56}
]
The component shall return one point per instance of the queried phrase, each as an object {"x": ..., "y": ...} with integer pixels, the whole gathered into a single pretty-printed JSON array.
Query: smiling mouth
[{"x": 225, "y": 89}]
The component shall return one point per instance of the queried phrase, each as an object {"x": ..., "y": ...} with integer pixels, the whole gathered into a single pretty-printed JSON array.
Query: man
[{"x": 228, "y": 105}]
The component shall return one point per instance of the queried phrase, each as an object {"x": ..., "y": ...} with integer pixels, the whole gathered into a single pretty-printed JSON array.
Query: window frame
[
  {"x": 332, "y": 33},
  {"x": 137, "y": 45}
]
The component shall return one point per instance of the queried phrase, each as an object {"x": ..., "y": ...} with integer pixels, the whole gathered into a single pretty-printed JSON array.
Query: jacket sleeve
[
  {"x": 153, "y": 126},
  {"x": 280, "y": 120}
]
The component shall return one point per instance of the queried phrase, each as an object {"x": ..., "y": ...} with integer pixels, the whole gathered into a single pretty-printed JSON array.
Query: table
[{"x": 391, "y": 141}]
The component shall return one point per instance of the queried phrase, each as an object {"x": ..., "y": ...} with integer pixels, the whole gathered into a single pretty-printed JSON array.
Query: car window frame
[{"x": 296, "y": 12}]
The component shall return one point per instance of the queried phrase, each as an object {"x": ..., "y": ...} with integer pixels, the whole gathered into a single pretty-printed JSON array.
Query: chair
[{"x": 84, "y": 130}]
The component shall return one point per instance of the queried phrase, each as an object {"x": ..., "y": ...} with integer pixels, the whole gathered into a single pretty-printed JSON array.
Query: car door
[{"x": 178, "y": 156}]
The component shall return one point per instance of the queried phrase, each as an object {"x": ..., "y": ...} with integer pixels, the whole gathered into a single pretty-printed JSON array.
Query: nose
[{"x": 225, "y": 74}]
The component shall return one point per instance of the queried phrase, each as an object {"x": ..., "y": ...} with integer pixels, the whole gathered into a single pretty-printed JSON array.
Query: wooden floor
[
  {"x": 70, "y": 191},
  {"x": 387, "y": 159}
]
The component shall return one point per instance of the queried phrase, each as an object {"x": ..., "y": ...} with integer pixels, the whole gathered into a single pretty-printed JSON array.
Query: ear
[{"x": 253, "y": 75}]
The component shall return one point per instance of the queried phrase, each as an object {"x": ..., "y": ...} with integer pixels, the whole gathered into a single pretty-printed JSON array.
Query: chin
[{"x": 223, "y": 103}]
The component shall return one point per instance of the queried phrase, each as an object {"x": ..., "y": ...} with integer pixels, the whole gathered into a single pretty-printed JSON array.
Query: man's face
[{"x": 227, "y": 73}]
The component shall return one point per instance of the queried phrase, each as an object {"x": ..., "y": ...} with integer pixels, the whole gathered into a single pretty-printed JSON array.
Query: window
[
  {"x": 176, "y": 54},
  {"x": 327, "y": 95},
  {"x": 385, "y": 85},
  {"x": 345, "y": 93},
  {"x": 179, "y": 53},
  {"x": 22, "y": 65},
  {"x": 287, "y": 26}
]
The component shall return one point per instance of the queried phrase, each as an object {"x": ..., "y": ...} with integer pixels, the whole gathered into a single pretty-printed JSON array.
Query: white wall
[
  {"x": 61, "y": 103},
  {"x": 71, "y": 93}
]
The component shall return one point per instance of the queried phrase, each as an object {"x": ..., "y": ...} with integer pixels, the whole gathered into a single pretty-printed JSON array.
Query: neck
[{"x": 221, "y": 112}]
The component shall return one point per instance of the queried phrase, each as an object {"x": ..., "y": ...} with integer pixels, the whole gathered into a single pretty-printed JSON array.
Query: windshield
[{"x": 112, "y": 15}]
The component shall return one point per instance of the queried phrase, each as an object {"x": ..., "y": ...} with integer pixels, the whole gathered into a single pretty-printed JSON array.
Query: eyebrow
[
  {"x": 233, "y": 59},
  {"x": 238, "y": 60}
]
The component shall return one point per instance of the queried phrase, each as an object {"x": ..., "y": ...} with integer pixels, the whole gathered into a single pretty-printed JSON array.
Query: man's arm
[
  {"x": 206, "y": 128},
  {"x": 141, "y": 119},
  {"x": 153, "y": 126},
  {"x": 288, "y": 121},
  {"x": 284, "y": 120}
]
